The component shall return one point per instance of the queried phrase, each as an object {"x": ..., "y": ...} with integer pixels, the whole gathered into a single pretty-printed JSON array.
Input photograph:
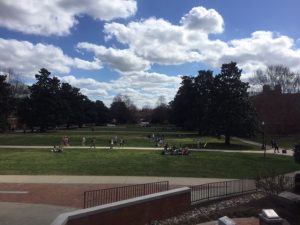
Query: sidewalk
[
  {"x": 52, "y": 179},
  {"x": 29, "y": 214},
  {"x": 268, "y": 151}
]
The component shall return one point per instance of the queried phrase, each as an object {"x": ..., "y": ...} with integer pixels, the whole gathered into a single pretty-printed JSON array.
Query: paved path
[
  {"x": 76, "y": 147},
  {"x": 29, "y": 214},
  {"x": 51, "y": 179},
  {"x": 268, "y": 151}
]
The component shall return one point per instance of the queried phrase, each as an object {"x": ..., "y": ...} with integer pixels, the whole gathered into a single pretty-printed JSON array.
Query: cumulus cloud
[
  {"x": 155, "y": 40},
  {"x": 147, "y": 42},
  {"x": 199, "y": 18},
  {"x": 143, "y": 88},
  {"x": 164, "y": 43},
  {"x": 57, "y": 17},
  {"x": 120, "y": 60},
  {"x": 27, "y": 58},
  {"x": 263, "y": 48}
]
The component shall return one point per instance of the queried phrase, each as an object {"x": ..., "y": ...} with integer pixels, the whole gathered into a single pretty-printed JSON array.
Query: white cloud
[
  {"x": 147, "y": 42},
  {"x": 155, "y": 40},
  {"x": 87, "y": 83},
  {"x": 26, "y": 58},
  {"x": 199, "y": 18},
  {"x": 263, "y": 48},
  {"x": 161, "y": 42},
  {"x": 120, "y": 60},
  {"x": 143, "y": 88},
  {"x": 57, "y": 17}
]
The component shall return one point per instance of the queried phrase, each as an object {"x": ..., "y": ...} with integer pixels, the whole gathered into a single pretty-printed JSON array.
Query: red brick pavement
[{"x": 70, "y": 195}]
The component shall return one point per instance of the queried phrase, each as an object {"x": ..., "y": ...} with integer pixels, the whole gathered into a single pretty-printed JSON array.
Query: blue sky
[{"x": 141, "y": 48}]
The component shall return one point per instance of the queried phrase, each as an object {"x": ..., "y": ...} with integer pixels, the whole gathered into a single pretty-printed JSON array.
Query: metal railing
[
  {"x": 105, "y": 196},
  {"x": 221, "y": 189}
]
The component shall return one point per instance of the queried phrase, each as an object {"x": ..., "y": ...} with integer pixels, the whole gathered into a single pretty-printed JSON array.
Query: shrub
[{"x": 272, "y": 184}]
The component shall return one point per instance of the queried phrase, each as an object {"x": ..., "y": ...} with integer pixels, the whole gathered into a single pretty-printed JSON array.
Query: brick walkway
[{"x": 70, "y": 195}]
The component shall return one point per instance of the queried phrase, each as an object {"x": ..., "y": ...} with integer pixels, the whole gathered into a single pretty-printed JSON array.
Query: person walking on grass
[
  {"x": 276, "y": 147},
  {"x": 111, "y": 143},
  {"x": 83, "y": 141},
  {"x": 93, "y": 143}
]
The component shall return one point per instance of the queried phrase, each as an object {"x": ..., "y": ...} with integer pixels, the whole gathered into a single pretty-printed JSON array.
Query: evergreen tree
[
  {"x": 231, "y": 110},
  {"x": 6, "y": 102}
]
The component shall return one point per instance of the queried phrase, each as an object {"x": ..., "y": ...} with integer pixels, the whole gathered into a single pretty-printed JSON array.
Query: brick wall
[
  {"x": 280, "y": 112},
  {"x": 136, "y": 211}
]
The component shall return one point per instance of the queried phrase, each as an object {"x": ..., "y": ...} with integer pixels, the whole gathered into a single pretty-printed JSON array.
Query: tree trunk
[{"x": 227, "y": 139}]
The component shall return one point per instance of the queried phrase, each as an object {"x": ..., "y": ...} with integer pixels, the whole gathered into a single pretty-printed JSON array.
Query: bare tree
[
  {"x": 161, "y": 101},
  {"x": 18, "y": 87},
  {"x": 288, "y": 80}
]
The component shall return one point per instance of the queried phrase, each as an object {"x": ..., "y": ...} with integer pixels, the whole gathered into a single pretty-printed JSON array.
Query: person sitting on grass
[
  {"x": 57, "y": 149},
  {"x": 185, "y": 151}
]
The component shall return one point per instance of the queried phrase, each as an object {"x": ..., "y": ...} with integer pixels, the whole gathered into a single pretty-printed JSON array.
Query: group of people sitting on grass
[
  {"x": 174, "y": 150},
  {"x": 57, "y": 149}
]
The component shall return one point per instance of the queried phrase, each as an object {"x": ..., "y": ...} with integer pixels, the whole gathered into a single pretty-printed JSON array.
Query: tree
[
  {"x": 6, "y": 102},
  {"x": 145, "y": 114},
  {"x": 204, "y": 90},
  {"x": 183, "y": 105},
  {"x": 102, "y": 113},
  {"x": 231, "y": 110},
  {"x": 119, "y": 112},
  {"x": 45, "y": 100},
  {"x": 18, "y": 88},
  {"x": 288, "y": 80},
  {"x": 72, "y": 104},
  {"x": 25, "y": 112},
  {"x": 123, "y": 110},
  {"x": 215, "y": 105},
  {"x": 160, "y": 114},
  {"x": 190, "y": 108}
]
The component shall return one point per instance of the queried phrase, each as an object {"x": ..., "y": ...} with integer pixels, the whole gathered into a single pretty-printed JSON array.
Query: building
[{"x": 279, "y": 111}]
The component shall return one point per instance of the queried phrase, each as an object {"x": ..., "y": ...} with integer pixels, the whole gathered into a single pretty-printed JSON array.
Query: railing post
[
  {"x": 226, "y": 188},
  {"x": 208, "y": 192},
  {"x": 242, "y": 185},
  {"x": 84, "y": 199}
]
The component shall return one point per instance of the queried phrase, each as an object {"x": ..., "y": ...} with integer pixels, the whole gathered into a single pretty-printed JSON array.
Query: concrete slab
[{"x": 29, "y": 214}]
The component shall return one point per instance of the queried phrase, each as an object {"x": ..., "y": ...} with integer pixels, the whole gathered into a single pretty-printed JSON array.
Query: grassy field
[
  {"x": 133, "y": 136},
  {"x": 140, "y": 163}
]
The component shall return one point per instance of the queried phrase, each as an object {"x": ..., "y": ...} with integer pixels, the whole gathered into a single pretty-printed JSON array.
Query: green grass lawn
[
  {"x": 140, "y": 163},
  {"x": 133, "y": 136}
]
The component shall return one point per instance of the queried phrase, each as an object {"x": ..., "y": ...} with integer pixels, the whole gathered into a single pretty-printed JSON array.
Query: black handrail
[
  {"x": 221, "y": 189},
  {"x": 104, "y": 196}
]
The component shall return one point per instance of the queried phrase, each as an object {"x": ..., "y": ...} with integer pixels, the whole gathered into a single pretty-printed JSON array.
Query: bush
[
  {"x": 272, "y": 184},
  {"x": 297, "y": 153}
]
